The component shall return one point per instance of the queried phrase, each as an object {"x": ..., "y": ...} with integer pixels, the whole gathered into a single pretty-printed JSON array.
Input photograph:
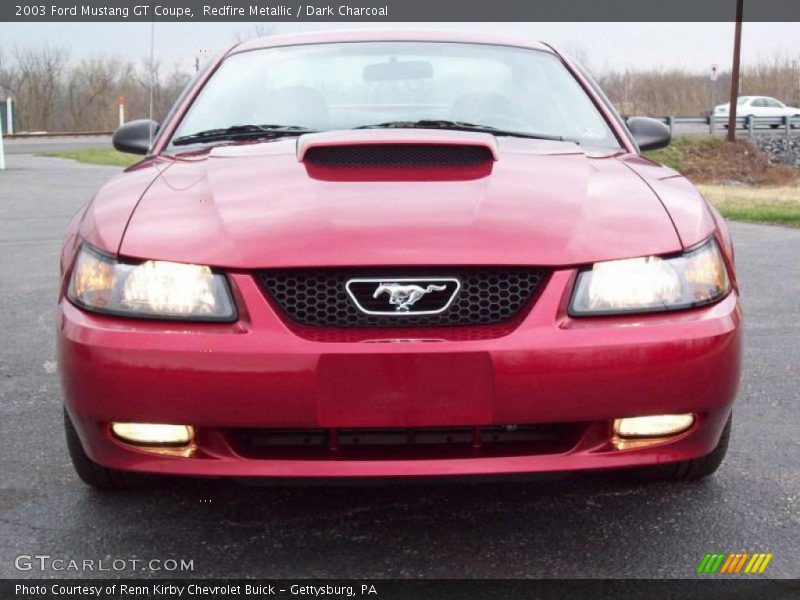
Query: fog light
[
  {"x": 655, "y": 426},
  {"x": 152, "y": 434}
]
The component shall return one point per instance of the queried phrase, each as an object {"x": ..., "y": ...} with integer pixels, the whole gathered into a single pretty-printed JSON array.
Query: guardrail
[
  {"x": 713, "y": 123},
  {"x": 721, "y": 121}
]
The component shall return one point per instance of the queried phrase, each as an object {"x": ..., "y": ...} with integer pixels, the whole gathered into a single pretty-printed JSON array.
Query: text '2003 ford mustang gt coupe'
[{"x": 396, "y": 255}]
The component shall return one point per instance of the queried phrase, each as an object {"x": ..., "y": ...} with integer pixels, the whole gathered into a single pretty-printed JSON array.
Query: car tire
[
  {"x": 91, "y": 473},
  {"x": 689, "y": 470}
]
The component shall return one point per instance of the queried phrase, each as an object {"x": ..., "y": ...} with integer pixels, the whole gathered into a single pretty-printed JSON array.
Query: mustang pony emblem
[
  {"x": 403, "y": 297},
  {"x": 403, "y": 294}
]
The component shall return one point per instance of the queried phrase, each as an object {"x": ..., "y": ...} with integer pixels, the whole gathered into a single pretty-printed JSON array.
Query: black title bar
[{"x": 397, "y": 10}]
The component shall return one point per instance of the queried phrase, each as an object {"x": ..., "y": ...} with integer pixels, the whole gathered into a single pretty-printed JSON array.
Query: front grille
[
  {"x": 408, "y": 442},
  {"x": 398, "y": 155},
  {"x": 318, "y": 297}
]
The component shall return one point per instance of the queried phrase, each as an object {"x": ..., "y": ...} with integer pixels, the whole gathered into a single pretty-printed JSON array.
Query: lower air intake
[{"x": 408, "y": 443}]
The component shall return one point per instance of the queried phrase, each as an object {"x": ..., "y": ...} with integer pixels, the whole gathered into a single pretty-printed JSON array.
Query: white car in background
[{"x": 759, "y": 106}]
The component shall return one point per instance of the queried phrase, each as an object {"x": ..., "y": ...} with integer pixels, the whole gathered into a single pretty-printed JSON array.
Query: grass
[
  {"x": 674, "y": 155},
  {"x": 778, "y": 205},
  {"x": 736, "y": 178},
  {"x": 97, "y": 156}
]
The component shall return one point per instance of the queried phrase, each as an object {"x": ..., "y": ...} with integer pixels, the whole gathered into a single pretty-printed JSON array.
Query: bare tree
[
  {"x": 7, "y": 75},
  {"x": 579, "y": 54},
  {"x": 778, "y": 77},
  {"x": 656, "y": 92},
  {"x": 55, "y": 94},
  {"x": 90, "y": 92},
  {"x": 256, "y": 30},
  {"x": 150, "y": 81},
  {"x": 38, "y": 84}
]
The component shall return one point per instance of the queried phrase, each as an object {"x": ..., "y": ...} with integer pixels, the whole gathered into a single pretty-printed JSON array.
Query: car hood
[{"x": 263, "y": 205}]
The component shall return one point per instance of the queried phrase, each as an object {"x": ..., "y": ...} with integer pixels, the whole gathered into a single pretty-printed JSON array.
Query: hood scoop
[
  {"x": 398, "y": 155},
  {"x": 396, "y": 147},
  {"x": 391, "y": 155}
]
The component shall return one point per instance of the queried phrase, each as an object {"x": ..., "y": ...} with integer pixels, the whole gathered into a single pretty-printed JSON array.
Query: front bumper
[{"x": 261, "y": 373}]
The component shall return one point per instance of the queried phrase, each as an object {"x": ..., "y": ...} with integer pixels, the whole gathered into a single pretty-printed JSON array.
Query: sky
[{"x": 607, "y": 46}]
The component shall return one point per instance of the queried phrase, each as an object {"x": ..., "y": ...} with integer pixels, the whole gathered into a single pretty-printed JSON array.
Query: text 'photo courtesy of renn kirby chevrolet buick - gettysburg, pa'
[{"x": 392, "y": 308}]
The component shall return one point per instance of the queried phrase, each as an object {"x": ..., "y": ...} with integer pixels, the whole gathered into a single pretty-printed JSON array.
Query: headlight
[
  {"x": 651, "y": 283},
  {"x": 152, "y": 289}
]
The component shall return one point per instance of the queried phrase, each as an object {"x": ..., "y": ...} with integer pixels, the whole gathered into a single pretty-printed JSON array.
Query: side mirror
[
  {"x": 134, "y": 137},
  {"x": 649, "y": 134}
]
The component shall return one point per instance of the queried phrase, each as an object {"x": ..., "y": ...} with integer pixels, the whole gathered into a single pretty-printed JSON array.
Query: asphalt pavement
[
  {"x": 581, "y": 526},
  {"x": 40, "y": 145}
]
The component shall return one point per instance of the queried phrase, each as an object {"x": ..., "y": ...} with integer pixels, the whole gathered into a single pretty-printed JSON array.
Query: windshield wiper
[
  {"x": 240, "y": 132},
  {"x": 464, "y": 126}
]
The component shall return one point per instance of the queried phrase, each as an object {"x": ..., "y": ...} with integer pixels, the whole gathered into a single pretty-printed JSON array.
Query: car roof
[{"x": 385, "y": 35}]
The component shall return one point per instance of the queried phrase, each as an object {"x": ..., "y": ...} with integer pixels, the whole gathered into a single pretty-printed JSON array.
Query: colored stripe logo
[{"x": 734, "y": 563}]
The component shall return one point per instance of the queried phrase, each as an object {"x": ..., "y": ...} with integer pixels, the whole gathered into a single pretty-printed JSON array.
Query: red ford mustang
[{"x": 396, "y": 255}]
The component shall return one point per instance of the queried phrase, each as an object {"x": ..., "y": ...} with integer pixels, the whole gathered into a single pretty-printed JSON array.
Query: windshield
[{"x": 347, "y": 85}]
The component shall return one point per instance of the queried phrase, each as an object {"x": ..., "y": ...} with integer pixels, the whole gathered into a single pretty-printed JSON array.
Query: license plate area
[{"x": 404, "y": 390}]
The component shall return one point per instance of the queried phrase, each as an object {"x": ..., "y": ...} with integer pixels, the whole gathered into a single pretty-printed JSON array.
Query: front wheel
[
  {"x": 91, "y": 473},
  {"x": 690, "y": 470}
]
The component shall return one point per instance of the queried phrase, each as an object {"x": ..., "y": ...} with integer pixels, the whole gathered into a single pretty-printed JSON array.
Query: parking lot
[{"x": 582, "y": 526}]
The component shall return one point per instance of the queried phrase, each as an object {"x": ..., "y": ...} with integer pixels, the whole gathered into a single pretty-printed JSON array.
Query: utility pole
[{"x": 737, "y": 50}]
